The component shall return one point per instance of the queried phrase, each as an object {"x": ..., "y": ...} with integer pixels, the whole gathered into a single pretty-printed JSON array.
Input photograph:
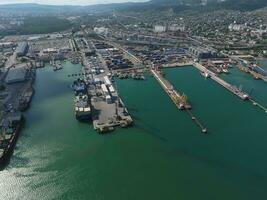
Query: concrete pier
[
  {"x": 179, "y": 100},
  {"x": 179, "y": 64},
  {"x": 258, "y": 105},
  {"x": 249, "y": 71},
  {"x": 108, "y": 109},
  {"x": 237, "y": 92},
  {"x": 229, "y": 87}
]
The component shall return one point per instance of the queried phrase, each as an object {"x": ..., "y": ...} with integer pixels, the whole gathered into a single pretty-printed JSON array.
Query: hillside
[
  {"x": 227, "y": 4},
  {"x": 176, "y": 5}
]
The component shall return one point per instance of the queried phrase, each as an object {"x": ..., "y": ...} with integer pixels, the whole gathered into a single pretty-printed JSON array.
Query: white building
[
  {"x": 176, "y": 27},
  {"x": 236, "y": 27},
  {"x": 159, "y": 28},
  {"x": 101, "y": 30}
]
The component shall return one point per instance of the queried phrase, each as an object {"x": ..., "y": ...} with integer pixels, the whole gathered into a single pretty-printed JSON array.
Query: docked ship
[
  {"x": 82, "y": 108},
  {"x": 256, "y": 68},
  {"x": 10, "y": 127},
  {"x": 79, "y": 87},
  {"x": 25, "y": 99}
]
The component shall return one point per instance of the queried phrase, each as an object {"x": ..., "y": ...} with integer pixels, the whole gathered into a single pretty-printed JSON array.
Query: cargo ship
[
  {"x": 256, "y": 68},
  {"x": 82, "y": 108},
  {"x": 25, "y": 99},
  {"x": 10, "y": 128}
]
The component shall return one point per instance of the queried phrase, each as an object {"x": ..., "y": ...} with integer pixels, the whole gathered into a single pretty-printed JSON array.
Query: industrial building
[
  {"x": 16, "y": 75},
  {"x": 160, "y": 28},
  {"x": 176, "y": 27},
  {"x": 236, "y": 27},
  {"x": 202, "y": 53},
  {"x": 22, "y": 49}
]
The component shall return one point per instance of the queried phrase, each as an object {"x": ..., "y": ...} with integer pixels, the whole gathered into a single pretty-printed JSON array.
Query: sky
[{"x": 68, "y": 2}]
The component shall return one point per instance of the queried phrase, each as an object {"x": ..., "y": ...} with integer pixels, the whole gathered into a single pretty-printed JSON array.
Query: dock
[
  {"x": 108, "y": 109},
  {"x": 249, "y": 71},
  {"x": 258, "y": 105},
  {"x": 109, "y": 115},
  {"x": 242, "y": 95},
  {"x": 179, "y": 100},
  {"x": 229, "y": 87},
  {"x": 178, "y": 64}
]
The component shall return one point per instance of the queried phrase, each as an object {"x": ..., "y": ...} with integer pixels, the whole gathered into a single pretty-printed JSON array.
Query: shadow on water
[
  {"x": 219, "y": 164},
  {"x": 148, "y": 129}
]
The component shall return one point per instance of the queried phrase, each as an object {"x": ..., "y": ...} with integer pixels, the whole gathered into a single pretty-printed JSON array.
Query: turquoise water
[
  {"x": 164, "y": 156},
  {"x": 263, "y": 63}
]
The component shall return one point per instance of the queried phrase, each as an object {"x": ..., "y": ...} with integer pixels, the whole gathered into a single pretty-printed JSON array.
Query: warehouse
[
  {"x": 22, "y": 49},
  {"x": 16, "y": 75}
]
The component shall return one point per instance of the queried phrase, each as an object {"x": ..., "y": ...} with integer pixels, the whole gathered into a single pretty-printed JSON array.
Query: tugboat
[
  {"x": 82, "y": 108},
  {"x": 10, "y": 127}
]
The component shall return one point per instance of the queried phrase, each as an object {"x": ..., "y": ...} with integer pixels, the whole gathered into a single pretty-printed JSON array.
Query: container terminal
[
  {"x": 106, "y": 106},
  {"x": 180, "y": 100}
]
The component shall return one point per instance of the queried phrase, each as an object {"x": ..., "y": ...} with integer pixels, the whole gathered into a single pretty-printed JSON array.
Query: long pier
[
  {"x": 178, "y": 99},
  {"x": 178, "y": 64},
  {"x": 254, "y": 74},
  {"x": 258, "y": 105},
  {"x": 229, "y": 87},
  {"x": 234, "y": 90}
]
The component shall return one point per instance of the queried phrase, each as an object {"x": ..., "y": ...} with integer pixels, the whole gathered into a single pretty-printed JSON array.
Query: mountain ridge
[{"x": 242, "y": 5}]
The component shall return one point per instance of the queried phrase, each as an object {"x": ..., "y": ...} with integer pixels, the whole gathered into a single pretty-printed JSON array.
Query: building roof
[
  {"x": 21, "y": 47},
  {"x": 16, "y": 75}
]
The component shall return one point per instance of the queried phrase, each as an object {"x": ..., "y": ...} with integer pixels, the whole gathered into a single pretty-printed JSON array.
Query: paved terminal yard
[
  {"x": 108, "y": 110},
  {"x": 108, "y": 115}
]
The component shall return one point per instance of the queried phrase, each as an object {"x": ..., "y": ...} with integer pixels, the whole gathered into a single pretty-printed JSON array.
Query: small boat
[{"x": 225, "y": 71}]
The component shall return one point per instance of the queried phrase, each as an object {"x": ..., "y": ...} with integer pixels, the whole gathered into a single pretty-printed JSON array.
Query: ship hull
[
  {"x": 83, "y": 118},
  {"x": 11, "y": 144}
]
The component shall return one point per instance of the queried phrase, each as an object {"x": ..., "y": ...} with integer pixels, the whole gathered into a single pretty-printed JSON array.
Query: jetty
[
  {"x": 229, "y": 87},
  {"x": 242, "y": 95},
  {"x": 177, "y": 98},
  {"x": 251, "y": 72}
]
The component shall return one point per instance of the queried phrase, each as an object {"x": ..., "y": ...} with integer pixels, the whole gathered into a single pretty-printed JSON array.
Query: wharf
[
  {"x": 254, "y": 74},
  {"x": 176, "y": 97},
  {"x": 129, "y": 70},
  {"x": 229, "y": 87},
  {"x": 220, "y": 81},
  {"x": 106, "y": 116},
  {"x": 258, "y": 105},
  {"x": 179, "y": 100},
  {"x": 178, "y": 64},
  {"x": 108, "y": 110}
]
